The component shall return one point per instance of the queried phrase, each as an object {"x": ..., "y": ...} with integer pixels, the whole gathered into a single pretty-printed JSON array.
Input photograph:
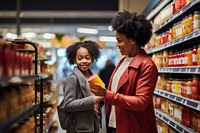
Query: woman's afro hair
[{"x": 132, "y": 26}]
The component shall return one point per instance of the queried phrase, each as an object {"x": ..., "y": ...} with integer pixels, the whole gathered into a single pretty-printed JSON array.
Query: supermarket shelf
[
  {"x": 177, "y": 15},
  {"x": 181, "y": 70},
  {"x": 174, "y": 124},
  {"x": 6, "y": 125},
  {"x": 194, "y": 104},
  {"x": 181, "y": 40},
  {"x": 17, "y": 80},
  {"x": 157, "y": 9}
]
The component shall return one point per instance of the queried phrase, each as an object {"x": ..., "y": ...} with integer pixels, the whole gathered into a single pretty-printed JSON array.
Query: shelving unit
[
  {"x": 180, "y": 41},
  {"x": 180, "y": 70},
  {"x": 194, "y": 104},
  {"x": 178, "y": 15},
  {"x": 175, "y": 125},
  {"x": 36, "y": 107},
  {"x": 184, "y": 42}
]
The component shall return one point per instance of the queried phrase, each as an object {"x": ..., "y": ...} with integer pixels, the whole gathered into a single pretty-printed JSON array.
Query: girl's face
[
  {"x": 125, "y": 45},
  {"x": 83, "y": 59}
]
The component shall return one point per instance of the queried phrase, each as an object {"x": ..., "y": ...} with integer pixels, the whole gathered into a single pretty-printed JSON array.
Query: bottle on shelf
[
  {"x": 198, "y": 55},
  {"x": 195, "y": 86},
  {"x": 194, "y": 56},
  {"x": 196, "y": 20}
]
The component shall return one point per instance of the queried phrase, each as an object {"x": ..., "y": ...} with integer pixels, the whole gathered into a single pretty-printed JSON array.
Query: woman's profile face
[
  {"x": 83, "y": 59},
  {"x": 125, "y": 45}
]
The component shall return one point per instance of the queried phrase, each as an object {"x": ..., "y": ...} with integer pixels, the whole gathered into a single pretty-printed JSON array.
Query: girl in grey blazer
[{"x": 79, "y": 101}]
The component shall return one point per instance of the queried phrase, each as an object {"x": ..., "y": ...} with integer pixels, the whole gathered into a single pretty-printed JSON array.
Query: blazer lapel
[
  {"x": 81, "y": 80},
  {"x": 135, "y": 63}
]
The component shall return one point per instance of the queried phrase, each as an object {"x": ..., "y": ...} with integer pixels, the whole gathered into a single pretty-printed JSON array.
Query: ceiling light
[
  {"x": 107, "y": 39},
  {"x": 48, "y": 35},
  {"x": 11, "y": 36},
  {"x": 29, "y": 34},
  {"x": 87, "y": 31}
]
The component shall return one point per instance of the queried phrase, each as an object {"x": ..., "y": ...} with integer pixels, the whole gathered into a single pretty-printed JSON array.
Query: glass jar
[{"x": 196, "y": 20}]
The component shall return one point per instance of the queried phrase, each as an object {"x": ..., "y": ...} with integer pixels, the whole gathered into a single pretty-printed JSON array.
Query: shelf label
[
  {"x": 171, "y": 43},
  {"x": 183, "y": 39},
  {"x": 179, "y": 99},
  {"x": 192, "y": 104},
  {"x": 172, "y": 96},
  {"x": 180, "y": 129},
  {"x": 177, "y": 41},
  {"x": 172, "y": 123},
  {"x": 166, "y": 94},
  {"x": 183, "y": 70},
  {"x": 196, "y": 33},
  {"x": 192, "y": 70},
  {"x": 189, "y": 36},
  {"x": 165, "y": 119}
]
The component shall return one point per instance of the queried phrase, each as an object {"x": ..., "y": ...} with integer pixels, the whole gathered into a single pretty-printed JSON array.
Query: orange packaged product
[
  {"x": 195, "y": 81},
  {"x": 198, "y": 55},
  {"x": 189, "y": 57}
]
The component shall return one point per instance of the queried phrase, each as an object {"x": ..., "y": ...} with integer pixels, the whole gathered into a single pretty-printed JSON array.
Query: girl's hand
[
  {"x": 98, "y": 99},
  {"x": 101, "y": 91}
]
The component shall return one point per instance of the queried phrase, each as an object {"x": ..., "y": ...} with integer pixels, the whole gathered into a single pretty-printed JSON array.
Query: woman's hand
[
  {"x": 98, "y": 99},
  {"x": 101, "y": 91}
]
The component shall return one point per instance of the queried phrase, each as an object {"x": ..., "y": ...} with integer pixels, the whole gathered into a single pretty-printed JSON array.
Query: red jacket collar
[{"x": 135, "y": 63}]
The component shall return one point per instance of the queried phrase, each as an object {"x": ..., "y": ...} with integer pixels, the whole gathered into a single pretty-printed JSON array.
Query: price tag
[
  {"x": 183, "y": 39},
  {"x": 189, "y": 36},
  {"x": 192, "y": 70},
  {"x": 172, "y": 96},
  {"x": 183, "y": 70},
  {"x": 165, "y": 119},
  {"x": 172, "y": 123},
  {"x": 180, "y": 129},
  {"x": 177, "y": 41},
  {"x": 196, "y": 33},
  {"x": 192, "y": 104},
  {"x": 166, "y": 94},
  {"x": 180, "y": 100}
]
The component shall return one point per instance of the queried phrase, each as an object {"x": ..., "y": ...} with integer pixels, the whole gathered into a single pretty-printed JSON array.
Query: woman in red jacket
[{"x": 129, "y": 103}]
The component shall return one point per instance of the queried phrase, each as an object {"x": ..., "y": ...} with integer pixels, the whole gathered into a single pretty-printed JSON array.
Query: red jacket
[{"x": 133, "y": 99}]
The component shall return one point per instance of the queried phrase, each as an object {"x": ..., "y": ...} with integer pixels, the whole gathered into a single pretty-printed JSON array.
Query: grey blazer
[{"x": 80, "y": 104}]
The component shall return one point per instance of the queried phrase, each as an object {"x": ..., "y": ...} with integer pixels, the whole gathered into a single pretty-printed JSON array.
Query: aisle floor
[{"x": 60, "y": 130}]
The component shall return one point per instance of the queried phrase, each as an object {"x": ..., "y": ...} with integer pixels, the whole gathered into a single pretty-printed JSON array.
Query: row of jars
[
  {"x": 183, "y": 115},
  {"x": 188, "y": 24},
  {"x": 187, "y": 87},
  {"x": 178, "y": 4},
  {"x": 163, "y": 127},
  {"x": 15, "y": 99},
  {"x": 14, "y": 63},
  {"x": 186, "y": 57}
]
